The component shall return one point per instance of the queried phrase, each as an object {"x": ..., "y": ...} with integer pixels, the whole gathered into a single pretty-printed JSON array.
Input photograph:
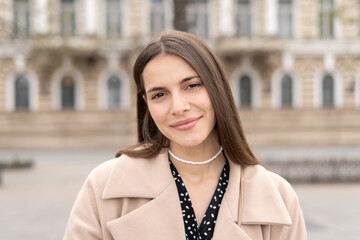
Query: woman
[{"x": 192, "y": 175}]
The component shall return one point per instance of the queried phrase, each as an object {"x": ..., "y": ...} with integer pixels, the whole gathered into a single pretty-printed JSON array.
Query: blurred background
[{"x": 67, "y": 100}]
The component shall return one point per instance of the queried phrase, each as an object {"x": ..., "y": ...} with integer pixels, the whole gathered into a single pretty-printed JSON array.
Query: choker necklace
[{"x": 196, "y": 163}]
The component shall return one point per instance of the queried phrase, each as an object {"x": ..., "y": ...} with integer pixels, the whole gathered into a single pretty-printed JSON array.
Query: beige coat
[{"x": 130, "y": 198}]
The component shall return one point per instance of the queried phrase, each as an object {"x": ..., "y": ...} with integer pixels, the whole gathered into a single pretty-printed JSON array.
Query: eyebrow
[{"x": 154, "y": 89}]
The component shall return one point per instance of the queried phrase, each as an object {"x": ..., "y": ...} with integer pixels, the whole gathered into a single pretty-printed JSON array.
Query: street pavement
[
  {"x": 35, "y": 203},
  {"x": 331, "y": 211}
]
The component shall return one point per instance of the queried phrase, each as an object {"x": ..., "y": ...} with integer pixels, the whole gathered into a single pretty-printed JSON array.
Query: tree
[{"x": 180, "y": 22}]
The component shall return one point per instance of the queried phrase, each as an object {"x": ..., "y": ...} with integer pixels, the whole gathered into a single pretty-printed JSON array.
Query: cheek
[
  {"x": 206, "y": 102},
  {"x": 158, "y": 114}
]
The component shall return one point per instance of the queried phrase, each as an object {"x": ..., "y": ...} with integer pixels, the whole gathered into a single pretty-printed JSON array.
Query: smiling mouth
[{"x": 185, "y": 124}]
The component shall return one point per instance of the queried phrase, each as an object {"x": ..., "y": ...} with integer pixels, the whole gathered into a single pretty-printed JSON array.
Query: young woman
[{"x": 192, "y": 175}]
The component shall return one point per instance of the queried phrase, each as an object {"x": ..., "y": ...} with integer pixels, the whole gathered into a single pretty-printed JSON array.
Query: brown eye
[
  {"x": 156, "y": 96},
  {"x": 193, "y": 85}
]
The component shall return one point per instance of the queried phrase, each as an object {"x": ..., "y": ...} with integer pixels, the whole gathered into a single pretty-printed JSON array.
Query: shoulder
[
  {"x": 282, "y": 184},
  {"x": 122, "y": 176},
  {"x": 105, "y": 169},
  {"x": 258, "y": 174},
  {"x": 100, "y": 175}
]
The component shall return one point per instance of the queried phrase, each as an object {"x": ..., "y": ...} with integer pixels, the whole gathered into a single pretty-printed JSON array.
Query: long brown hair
[{"x": 196, "y": 52}]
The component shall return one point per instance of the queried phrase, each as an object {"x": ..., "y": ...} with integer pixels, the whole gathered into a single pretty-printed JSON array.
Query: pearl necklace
[{"x": 196, "y": 163}]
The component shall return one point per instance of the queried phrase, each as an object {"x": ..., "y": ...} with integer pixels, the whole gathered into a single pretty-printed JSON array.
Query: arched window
[
  {"x": 67, "y": 93},
  {"x": 245, "y": 91},
  {"x": 286, "y": 91},
  {"x": 22, "y": 93},
  {"x": 328, "y": 91},
  {"x": 114, "y": 89}
]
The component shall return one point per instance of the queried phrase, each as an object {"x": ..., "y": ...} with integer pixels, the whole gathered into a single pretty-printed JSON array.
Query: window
[
  {"x": 114, "y": 90},
  {"x": 243, "y": 18},
  {"x": 67, "y": 87},
  {"x": 328, "y": 91},
  {"x": 285, "y": 18},
  {"x": 198, "y": 18},
  {"x": 326, "y": 18},
  {"x": 286, "y": 91},
  {"x": 157, "y": 17},
  {"x": 67, "y": 17},
  {"x": 67, "y": 93},
  {"x": 245, "y": 91},
  {"x": 22, "y": 93},
  {"x": 113, "y": 18},
  {"x": 21, "y": 21}
]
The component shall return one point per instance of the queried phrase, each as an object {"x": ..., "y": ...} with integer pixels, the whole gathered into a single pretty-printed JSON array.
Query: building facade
[{"x": 66, "y": 80}]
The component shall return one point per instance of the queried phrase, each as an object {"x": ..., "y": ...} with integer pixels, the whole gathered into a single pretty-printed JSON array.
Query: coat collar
[
  {"x": 149, "y": 178},
  {"x": 262, "y": 201},
  {"x": 138, "y": 177}
]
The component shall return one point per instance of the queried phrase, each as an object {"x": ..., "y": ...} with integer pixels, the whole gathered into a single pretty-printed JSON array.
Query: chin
[{"x": 189, "y": 142}]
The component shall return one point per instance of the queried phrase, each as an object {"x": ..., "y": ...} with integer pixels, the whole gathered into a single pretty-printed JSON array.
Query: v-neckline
[{"x": 208, "y": 220}]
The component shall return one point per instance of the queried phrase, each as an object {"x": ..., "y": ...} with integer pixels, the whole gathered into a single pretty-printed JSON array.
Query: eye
[
  {"x": 157, "y": 96},
  {"x": 193, "y": 85}
]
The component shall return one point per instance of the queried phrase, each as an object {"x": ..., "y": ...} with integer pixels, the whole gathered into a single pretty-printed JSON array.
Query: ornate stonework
[{"x": 45, "y": 57}]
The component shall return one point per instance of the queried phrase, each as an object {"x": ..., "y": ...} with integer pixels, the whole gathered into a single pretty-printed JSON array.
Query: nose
[{"x": 179, "y": 104}]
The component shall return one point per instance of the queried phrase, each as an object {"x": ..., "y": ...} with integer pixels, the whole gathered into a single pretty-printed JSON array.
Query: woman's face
[{"x": 178, "y": 101}]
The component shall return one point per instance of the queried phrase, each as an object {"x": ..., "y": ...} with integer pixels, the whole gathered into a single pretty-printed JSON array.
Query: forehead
[{"x": 167, "y": 66}]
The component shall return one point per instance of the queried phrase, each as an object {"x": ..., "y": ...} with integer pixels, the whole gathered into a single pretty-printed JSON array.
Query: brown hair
[{"x": 196, "y": 52}]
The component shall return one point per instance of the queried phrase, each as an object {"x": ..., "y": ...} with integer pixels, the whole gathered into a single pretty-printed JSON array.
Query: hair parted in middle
[{"x": 204, "y": 61}]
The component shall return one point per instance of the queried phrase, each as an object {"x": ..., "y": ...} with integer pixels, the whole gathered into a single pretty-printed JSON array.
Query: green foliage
[{"x": 16, "y": 163}]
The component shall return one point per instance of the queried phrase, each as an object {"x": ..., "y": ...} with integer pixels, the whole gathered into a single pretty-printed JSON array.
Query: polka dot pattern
[{"x": 206, "y": 229}]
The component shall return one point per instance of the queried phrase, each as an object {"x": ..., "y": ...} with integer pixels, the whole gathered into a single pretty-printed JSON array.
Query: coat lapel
[
  {"x": 225, "y": 227},
  {"x": 226, "y": 224},
  {"x": 160, "y": 219},
  {"x": 148, "y": 179},
  {"x": 138, "y": 177},
  {"x": 262, "y": 205}
]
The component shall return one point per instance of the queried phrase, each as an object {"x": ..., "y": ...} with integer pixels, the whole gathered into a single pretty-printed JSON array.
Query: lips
[{"x": 185, "y": 124}]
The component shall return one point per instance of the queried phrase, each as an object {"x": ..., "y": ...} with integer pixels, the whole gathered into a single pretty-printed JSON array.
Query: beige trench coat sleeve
[{"x": 85, "y": 221}]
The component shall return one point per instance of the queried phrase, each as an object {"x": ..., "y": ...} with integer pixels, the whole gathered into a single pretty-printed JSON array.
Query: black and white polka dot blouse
[{"x": 206, "y": 229}]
